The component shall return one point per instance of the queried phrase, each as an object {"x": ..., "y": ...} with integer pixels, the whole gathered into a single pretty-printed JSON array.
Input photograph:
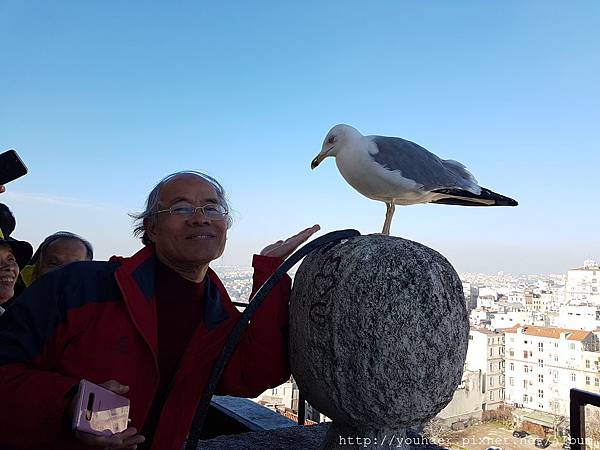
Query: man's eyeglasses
[{"x": 187, "y": 211}]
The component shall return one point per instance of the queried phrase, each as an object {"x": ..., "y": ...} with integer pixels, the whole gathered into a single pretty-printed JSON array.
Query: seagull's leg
[{"x": 390, "y": 207}]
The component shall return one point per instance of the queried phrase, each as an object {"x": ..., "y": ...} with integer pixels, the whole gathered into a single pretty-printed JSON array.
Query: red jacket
[{"x": 97, "y": 320}]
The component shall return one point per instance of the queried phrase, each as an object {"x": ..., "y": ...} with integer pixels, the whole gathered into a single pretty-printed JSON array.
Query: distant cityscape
[{"x": 532, "y": 338}]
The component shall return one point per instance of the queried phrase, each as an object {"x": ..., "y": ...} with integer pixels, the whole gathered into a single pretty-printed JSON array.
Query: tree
[
  {"x": 559, "y": 422},
  {"x": 592, "y": 424}
]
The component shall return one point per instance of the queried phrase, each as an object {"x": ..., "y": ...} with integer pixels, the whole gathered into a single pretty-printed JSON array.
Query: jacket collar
[{"x": 136, "y": 279}]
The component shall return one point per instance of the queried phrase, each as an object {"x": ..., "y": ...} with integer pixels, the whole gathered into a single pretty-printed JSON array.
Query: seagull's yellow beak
[{"x": 320, "y": 157}]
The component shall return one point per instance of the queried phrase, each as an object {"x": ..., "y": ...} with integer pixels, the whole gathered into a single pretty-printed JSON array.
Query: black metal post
[
  {"x": 301, "y": 409},
  {"x": 579, "y": 399}
]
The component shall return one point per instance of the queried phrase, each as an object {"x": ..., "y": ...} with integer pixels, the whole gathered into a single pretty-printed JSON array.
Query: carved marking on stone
[
  {"x": 320, "y": 313},
  {"x": 326, "y": 281}
]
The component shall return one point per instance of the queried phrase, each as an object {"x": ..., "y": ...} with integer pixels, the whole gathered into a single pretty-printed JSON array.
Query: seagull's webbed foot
[{"x": 390, "y": 208}]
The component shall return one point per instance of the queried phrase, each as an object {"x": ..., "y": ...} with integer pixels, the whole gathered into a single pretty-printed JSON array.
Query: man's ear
[{"x": 150, "y": 228}]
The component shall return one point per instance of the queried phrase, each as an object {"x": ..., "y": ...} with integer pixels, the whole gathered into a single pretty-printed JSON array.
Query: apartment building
[
  {"x": 542, "y": 364},
  {"x": 486, "y": 354},
  {"x": 579, "y": 317},
  {"x": 583, "y": 283}
]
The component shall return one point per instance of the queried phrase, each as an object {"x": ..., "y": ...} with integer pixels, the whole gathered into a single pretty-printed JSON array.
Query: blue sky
[{"x": 102, "y": 99}]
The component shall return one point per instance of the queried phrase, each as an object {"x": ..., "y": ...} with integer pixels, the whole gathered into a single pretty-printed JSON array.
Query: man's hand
[
  {"x": 128, "y": 439},
  {"x": 283, "y": 249},
  {"x": 2, "y": 188}
]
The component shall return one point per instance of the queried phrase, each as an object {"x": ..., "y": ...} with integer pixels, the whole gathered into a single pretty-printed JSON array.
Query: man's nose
[{"x": 199, "y": 217}]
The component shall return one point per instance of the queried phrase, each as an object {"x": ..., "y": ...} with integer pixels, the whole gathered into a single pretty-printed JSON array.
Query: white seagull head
[{"x": 338, "y": 138}]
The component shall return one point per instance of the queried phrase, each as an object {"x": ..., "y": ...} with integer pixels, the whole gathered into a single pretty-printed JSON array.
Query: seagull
[{"x": 400, "y": 172}]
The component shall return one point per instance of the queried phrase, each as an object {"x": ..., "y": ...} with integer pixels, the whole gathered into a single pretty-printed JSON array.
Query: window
[
  {"x": 556, "y": 345},
  {"x": 525, "y": 353},
  {"x": 512, "y": 381},
  {"x": 526, "y": 369},
  {"x": 512, "y": 366},
  {"x": 525, "y": 398},
  {"x": 587, "y": 381},
  {"x": 556, "y": 358},
  {"x": 541, "y": 363},
  {"x": 587, "y": 363},
  {"x": 571, "y": 346},
  {"x": 540, "y": 378},
  {"x": 491, "y": 395},
  {"x": 556, "y": 374},
  {"x": 596, "y": 382},
  {"x": 540, "y": 393},
  {"x": 470, "y": 337},
  {"x": 573, "y": 377},
  {"x": 491, "y": 381},
  {"x": 491, "y": 351},
  {"x": 540, "y": 346},
  {"x": 524, "y": 384}
]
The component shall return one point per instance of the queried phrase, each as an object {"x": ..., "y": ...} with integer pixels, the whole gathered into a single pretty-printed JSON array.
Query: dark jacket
[{"x": 97, "y": 320}]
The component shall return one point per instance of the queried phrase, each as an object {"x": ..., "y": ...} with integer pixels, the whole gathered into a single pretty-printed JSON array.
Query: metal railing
[{"x": 579, "y": 400}]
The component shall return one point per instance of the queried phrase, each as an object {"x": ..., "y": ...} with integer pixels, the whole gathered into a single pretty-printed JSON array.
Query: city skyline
[{"x": 103, "y": 100}]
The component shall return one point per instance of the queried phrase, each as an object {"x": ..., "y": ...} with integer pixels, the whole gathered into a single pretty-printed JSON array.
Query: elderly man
[{"x": 148, "y": 327}]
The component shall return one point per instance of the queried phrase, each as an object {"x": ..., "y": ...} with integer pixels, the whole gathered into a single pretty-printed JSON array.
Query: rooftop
[
  {"x": 489, "y": 332},
  {"x": 586, "y": 268},
  {"x": 550, "y": 332}
]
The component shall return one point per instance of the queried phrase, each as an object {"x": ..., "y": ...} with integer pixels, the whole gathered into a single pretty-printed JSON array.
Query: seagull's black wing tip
[{"x": 461, "y": 197}]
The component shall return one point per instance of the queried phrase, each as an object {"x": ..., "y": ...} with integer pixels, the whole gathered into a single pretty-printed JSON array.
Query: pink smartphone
[{"x": 99, "y": 411}]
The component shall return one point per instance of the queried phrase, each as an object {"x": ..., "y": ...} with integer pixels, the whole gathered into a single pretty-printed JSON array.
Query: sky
[{"x": 102, "y": 99}]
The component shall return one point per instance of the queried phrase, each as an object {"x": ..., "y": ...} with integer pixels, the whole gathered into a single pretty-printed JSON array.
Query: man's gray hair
[{"x": 152, "y": 201}]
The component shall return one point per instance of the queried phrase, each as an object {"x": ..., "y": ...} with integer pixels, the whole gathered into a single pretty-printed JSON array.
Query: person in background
[
  {"x": 8, "y": 224},
  {"x": 7, "y": 220},
  {"x": 10, "y": 286},
  {"x": 13, "y": 256},
  {"x": 148, "y": 327},
  {"x": 57, "y": 250}
]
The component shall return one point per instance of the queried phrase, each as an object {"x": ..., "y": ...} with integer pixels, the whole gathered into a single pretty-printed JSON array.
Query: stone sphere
[{"x": 378, "y": 332}]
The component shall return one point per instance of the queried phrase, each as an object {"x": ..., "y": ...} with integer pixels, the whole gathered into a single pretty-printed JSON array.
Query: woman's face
[{"x": 9, "y": 271}]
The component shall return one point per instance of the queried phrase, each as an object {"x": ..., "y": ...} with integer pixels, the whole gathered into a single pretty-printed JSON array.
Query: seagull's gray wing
[{"x": 420, "y": 165}]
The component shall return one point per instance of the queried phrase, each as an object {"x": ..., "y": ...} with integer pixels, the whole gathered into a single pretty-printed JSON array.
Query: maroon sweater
[{"x": 176, "y": 297}]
